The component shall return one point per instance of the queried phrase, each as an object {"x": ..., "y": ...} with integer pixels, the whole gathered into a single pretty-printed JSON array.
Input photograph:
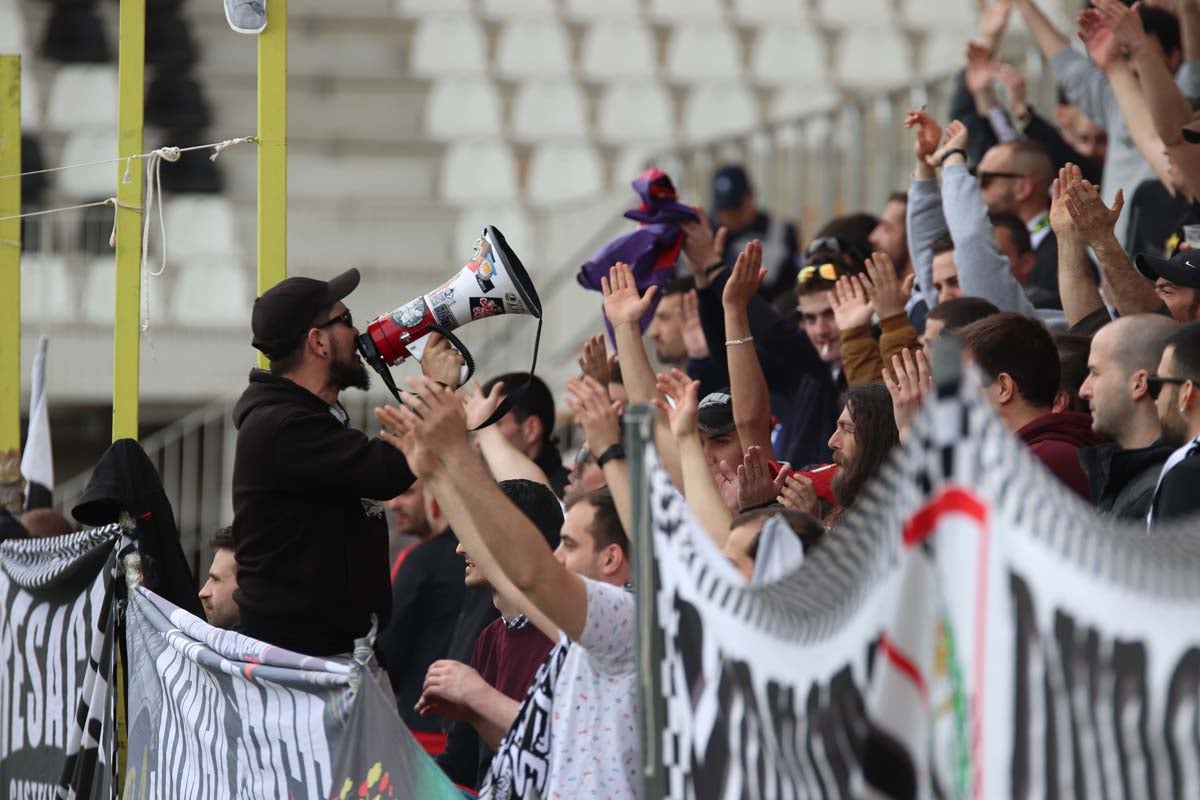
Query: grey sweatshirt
[
  {"x": 1086, "y": 86},
  {"x": 983, "y": 271}
]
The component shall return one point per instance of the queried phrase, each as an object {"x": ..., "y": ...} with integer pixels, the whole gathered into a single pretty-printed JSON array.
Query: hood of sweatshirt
[{"x": 1069, "y": 427}]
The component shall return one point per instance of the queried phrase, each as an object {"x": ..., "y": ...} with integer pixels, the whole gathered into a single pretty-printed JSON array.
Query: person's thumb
[
  {"x": 1118, "y": 201},
  {"x": 719, "y": 239},
  {"x": 908, "y": 284}
]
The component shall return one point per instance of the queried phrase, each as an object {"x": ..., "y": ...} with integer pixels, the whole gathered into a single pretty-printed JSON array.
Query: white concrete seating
[
  {"x": 458, "y": 108},
  {"x": 533, "y": 48},
  {"x": 871, "y": 59},
  {"x": 510, "y": 219},
  {"x": 564, "y": 172},
  {"x": 679, "y": 11},
  {"x": 703, "y": 52},
  {"x": 200, "y": 226},
  {"x": 770, "y": 12},
  {"x": 602, "y": 9},
  {"x": 787, "y": 56},
  {"x": 617, "y": 49},
  {"x": 640, "y": 111},
  {"x": 83, "y": 147},
  {"x": 506, "y": 9},
  {"x": 478, "y": 172},
  {"x": 855, "y": 13},
  {"x": 47, "y": 289},
  {"x": 83, "y": 95},
  {"x": 715, "y": 110},
  {"x": 545, "y": 110},
  {"x": 209, "y": 295},
  {"x": 448, "y": 45}
]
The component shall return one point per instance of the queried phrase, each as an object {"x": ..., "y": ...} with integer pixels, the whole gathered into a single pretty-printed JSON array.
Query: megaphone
[{"x": 493, "y": 282}]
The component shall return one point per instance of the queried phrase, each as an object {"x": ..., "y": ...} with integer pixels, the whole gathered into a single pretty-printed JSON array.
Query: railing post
[
  {"x": 10, "y": 268},
  {"x": 639, "y": 436}
]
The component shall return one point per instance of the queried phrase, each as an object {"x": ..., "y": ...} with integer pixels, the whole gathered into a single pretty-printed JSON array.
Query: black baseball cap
[
  {"x": 1191, "y": 131},
  {"x": 287, "y": 310},
  {"x": 1182, "y": 269},
  {"x": 715, "y": 414},
  {"x": 730, "y": 185}
]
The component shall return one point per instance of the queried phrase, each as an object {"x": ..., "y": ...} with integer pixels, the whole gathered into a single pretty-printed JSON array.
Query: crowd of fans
[{"x": 788, "y": 372}]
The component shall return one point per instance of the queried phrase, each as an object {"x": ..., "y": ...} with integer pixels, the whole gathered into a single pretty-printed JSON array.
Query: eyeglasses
[
  {"x": 824, "y": 244},
  {"x": 827, "y": 271},
  {"x": 583, "y": 458},
  {"x": 1154, "y": 384},
  {"x": 343, "y": 317},
  {"x": 986, "y": 178}
]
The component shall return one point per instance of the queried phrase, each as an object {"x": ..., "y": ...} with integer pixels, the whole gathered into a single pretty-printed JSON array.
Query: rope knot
[{"x": 171, "y": 154}]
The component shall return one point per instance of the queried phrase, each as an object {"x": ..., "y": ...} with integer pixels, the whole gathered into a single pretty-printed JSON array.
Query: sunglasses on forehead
[
  {"x": 827, "y": 271},
  {"x": 1154, "y": 384},
  {"x": 827, "y": 244},
  {"x": 345, "y": 317},
  {"x": 986, "y": 178}
]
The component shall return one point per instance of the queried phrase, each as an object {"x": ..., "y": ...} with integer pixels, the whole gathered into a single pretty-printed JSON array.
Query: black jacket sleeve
[
  {"x": 308, "y": 447},
  {"x": 712, "y": 376},
  {"x": 1045, "y": 134},
  {"x": 980, "y": 136},
  {"x": 786, "y": 354},
  {"x": 1177, "y": 496},
  {"x": 460, "y": 759}
]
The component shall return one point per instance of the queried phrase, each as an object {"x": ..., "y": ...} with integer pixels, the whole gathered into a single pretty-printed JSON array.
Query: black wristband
[
  {"x": 949, "y": 153},
  {"x": 616, "y": 452},
  {"x": 713, "y": 267},
  {"x": 767, "y": 504}
]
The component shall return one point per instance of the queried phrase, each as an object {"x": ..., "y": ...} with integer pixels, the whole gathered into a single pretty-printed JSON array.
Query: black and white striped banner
[
  {"x": 971, "y": 630},
  {"x": 56, "y": 662},
  {"x": 214, "y": 714}
]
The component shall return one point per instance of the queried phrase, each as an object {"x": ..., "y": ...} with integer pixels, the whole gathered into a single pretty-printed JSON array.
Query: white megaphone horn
[{"x": 493, "y": 282}]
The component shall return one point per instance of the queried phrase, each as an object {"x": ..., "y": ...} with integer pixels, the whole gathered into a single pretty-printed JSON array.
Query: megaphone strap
[{"x": 511, "y": 396}]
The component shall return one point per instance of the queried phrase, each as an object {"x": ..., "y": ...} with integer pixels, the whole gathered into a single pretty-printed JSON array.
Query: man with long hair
[{"x": 865, "y": 435}]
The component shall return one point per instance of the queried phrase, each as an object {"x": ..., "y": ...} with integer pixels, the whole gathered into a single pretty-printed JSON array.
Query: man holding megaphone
[{"x": 312, "y": 545}]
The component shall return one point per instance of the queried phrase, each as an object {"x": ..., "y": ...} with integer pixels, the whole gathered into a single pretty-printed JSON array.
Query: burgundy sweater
[{"x": 1056, "y": 440}]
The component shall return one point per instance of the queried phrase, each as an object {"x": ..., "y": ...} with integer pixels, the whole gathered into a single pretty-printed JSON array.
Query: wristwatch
[{"x": 616, "y": 452}]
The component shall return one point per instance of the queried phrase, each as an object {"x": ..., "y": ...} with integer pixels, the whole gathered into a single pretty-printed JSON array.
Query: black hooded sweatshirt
[
  {"x": 125, "y": 479},
  {"x": 312, "y": 563}
]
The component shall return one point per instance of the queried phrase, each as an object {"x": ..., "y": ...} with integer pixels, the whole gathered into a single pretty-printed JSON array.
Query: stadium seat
[
  {"x": 478, "y": 172},
  {"x": 615, "y": 49},
  {"x": 872, "y": 59},
  {"x": 701, "y": 53},
  {"x": 608, "y": 9},
  {"x": 510, "y": 219},
  {"x": 12, "y": 29},
  {"x": 448, "y": 45},
  {"x": 506, "y": 9},
  {"x": 630, "y": 112},
  {"x": 99, "y": 290},
  {"x": 212, "y": 295},
  {"x": 47, "y": 291},
  {"x": 676, "y": 11},
  {"x": 958, "y": 16},
  {"x": 95, "y": 181},
  {"x": 199, "y": 226},
  {"x": 458, "y": 108},
  {"x": 31, "y": 100},
  {"x": 786, "y": 56},
  {"x": 420, "y": 8},
  {"x": 943, "y": 52},
  {"x": 770, "y": 12},
  {"x": 530, "y": 48},
  {"x": 564, "y": 172},
  {"x": 716, "y": 110},
  {"x": 796, "y": 101},
  {"x": 549, "y": 110},
  {"x": 856, "y": 13},
  {"x": 82, "y": 95}
]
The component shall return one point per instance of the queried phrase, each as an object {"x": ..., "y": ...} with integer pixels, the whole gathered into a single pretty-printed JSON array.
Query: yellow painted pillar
[
  {"x": 272, "y": 150},
  {"x": 10, "y": 265},
  {"x": 131, "y": 66}
]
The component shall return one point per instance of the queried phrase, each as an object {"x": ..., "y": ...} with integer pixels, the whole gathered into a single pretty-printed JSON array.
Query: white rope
[{"x": 216, "y": 147}]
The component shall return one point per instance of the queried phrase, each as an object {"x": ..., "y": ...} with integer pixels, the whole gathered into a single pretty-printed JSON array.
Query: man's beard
[{"x": 348, "y": 374}]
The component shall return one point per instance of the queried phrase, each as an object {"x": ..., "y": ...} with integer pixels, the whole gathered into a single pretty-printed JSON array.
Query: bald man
[
  {"x": 1122, "y": 473},
  {"x": 1015, "y": 178}
]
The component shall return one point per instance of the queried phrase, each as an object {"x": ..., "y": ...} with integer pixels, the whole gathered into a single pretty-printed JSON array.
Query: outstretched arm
[
  {"x": 748, "y": 385},
  {"x": 1050, "y": 40},
  {"x": 1079, "y": 293}
]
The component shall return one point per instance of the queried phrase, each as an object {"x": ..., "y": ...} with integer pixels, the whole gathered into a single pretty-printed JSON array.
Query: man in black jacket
[
  {"x": 1178, "y": 386},
  {"x": 1122, "y": 473},
  {"x": 312, "y": 553}
]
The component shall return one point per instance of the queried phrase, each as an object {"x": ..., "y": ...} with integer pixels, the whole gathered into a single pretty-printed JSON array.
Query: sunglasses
[
  {"x": 1154, "y": 384},
  {"x": 826, "y": 244},
  {"x": 827, "y": 271},
  {"x": 985, "y": 178},
  {"x": 343, "y": 317},
  {"x": 583, "y": 458}
]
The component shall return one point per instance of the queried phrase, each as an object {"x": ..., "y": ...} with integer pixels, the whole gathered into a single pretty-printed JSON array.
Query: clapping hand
[
  {"x": 596, "y": 361},
  {"x": 595, "y": 412},
  {"x": 441, "y": 362},
  {"x": 747, "y": 276},
  {"x": 912, "y": 382},
  {"x": 682, "y": 413},
  {"x": 956, "y": 139},
  {"x": 887, "y": 293},
  {"x": 851, "y": 306},
  {"x": 623, "y": 303},
  {"x": 928, "y": 134},
  {"x": 479, "y": 406},
  {"x": 755, "y": 486}
]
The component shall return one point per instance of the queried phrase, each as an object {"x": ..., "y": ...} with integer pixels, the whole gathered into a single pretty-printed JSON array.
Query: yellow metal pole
[
  {"x": 272, "y": 150},
  {"x": 10, "y": 263},
  {"x": 131, "y": 66}
]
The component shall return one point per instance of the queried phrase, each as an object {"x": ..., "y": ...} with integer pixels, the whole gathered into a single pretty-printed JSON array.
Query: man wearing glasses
[
  {"x": 1177, "y": 390},
  {"x": 312, "y": 554}
]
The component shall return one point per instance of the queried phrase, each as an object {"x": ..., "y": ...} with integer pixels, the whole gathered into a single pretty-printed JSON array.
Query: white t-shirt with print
[{"x": 593, "y": 728}]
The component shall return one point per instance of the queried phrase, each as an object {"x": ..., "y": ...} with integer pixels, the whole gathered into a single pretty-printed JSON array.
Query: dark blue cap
[{"x": 730, "y": 187}]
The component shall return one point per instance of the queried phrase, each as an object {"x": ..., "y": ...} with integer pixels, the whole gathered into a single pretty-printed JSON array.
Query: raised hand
[
  {"x": 956, "y": 139},
  {"x": 1092, "y": 218},
  {"x": 993, "y": 19},
  {"x": 685, "y": 396},
  {"x": 928, "y": 134},
  {"x": 912, "y": 382},
  {"x": 623, "y": 304},
  {"x": 437, "y": 416},
  {"x": 479, "y": 406},
  {"x": 1101, "y": 44},
  {"x": 399, "y": 433},
  {"x": 595, "y": 412},
  {"x": 1124, "y": 22},
  {"x": 595, "y": 360},
  {"x": 746, "y": 277},
  {"x": 701, "y": 247},
  {"x": 887, "y": 293},
  {"x": 851, "y": 306},
  {"x": 1014, "y": 82},
  {"x": 799, "y": 493},
  {"x": 450, "y": 688},
  {"x": 978, "y": 74},
  {"x": 727, "y": 485},
  {"x": 755, "y": 484},
  {"x": 694, "y": 340},
  {"x": 1060, "y": 214},
  {"x": 441, "y": 361}
]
